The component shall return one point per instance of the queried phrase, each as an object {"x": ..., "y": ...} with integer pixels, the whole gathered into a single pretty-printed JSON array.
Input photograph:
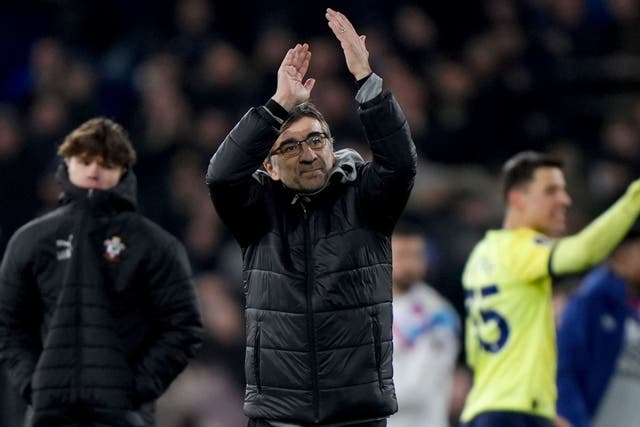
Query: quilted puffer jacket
[{"x": 317, "y": 270}]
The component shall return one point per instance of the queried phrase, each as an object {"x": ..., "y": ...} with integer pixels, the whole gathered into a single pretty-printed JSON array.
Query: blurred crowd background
[{"x": 478, "y": 81}]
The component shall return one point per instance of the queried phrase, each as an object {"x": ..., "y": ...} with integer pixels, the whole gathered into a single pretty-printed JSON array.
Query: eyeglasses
[{"x": 292, "y": 147}]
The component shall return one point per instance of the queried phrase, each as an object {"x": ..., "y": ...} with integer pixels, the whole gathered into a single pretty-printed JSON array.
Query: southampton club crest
[{"x": 113, "y": 247}]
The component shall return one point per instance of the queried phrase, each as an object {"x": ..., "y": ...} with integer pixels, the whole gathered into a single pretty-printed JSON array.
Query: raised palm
[{"x": 291, "y": 90}]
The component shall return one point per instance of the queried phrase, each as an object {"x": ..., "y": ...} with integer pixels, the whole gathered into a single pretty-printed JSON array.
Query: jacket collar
[
  {"x": 345, "y": 170},
  {"x": 121, "y": 197},
  {"x": 347, "y": 162}
]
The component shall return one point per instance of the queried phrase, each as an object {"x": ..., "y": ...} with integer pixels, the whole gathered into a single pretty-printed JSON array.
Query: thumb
[{"x": 309, "y": 84}]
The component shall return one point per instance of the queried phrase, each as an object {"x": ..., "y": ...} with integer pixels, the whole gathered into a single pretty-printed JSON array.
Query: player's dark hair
[{"x": 518, "y": 171}]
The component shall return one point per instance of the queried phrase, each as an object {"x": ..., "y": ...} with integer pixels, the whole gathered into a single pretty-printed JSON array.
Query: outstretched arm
[{"x": 590, "y": 246}]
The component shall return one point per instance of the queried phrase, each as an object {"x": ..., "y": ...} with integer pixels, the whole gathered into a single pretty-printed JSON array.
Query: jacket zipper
[
  {"x": 310, "y": 323},
  {"x": 78, "y": 366}
]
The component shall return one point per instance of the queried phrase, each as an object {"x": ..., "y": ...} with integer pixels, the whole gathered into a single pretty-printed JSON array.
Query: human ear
[
  {"x": 271, "y": 170},
  {"x": 515, "y": 198}
]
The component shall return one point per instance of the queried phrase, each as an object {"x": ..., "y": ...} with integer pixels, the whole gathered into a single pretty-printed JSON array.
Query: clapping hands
[{"x": 293, "y": 89}]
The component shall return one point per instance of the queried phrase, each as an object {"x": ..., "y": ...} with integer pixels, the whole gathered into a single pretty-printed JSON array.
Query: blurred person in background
[
  {"x": 97, "y": 308},
  {"x": 510, "y": 334},
  {"x": 599, "y": 344},
  {"x": 315, "y": 229},
  {"x": 16, "y": 162},
  {"x": 426, "y": 332}
]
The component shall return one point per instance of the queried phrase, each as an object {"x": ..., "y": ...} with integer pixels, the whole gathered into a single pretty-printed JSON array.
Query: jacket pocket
[
  {"x": 256, "y": 359},
  {"x": 375, "y": 330}
]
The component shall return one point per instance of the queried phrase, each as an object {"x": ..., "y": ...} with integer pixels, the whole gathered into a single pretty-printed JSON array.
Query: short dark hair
[
  {"x": 306, "y": 109},
  {"x": 518, "y": 171},
  {"x": 100, "y": 137}
]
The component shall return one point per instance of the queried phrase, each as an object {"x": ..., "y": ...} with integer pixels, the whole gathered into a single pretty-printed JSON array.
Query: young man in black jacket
[
  {"x": 315, "y": 229},
  {"x": 97, "y": 309}
]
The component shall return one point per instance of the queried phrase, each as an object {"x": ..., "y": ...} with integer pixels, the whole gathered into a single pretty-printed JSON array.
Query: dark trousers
[
  {"x": 262, "y": 423},
  {"x": 508, "y": 419}
]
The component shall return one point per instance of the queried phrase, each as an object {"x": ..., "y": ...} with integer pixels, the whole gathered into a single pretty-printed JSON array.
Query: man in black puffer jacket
[
  {"x": 97, "y": 309},
  {"x": 315, "y": 236}
]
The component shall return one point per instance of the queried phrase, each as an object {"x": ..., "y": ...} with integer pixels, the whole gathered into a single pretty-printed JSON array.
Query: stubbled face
[
  {"x": 409, "y": 260},
  {"x": 86, "y": 171},
  {"x": 309, "y": 171},
  {"x": 544, "y": 202}
]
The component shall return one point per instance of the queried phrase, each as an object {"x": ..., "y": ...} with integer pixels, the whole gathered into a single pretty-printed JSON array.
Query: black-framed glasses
[{"x": 293, "y": 147}]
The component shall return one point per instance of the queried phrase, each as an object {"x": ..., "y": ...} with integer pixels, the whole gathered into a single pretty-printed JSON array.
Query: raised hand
[
  {"x": 290, "y": 90},
  {"x": 353, "y": 45}
]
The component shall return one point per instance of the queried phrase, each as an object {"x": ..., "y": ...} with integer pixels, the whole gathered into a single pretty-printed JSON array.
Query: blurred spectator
[
  {"x": 618, "y": 159},
  {"x": 412, "y": 94},
  {"x": 416, "y": 36},
  {"x": 79, "y": 90},
  {"x": 599, "y": 345},
  {"x": 221, "y": 78},
  {"x": 272, "y": 43},
  {"x": 165, "y": 113},
  {"x": 17, "y": 167},
  {"x": 211, "y": 124},
  {"x": 48, "y": 120},
  {"x": 425, "y": 336},
  {"x": 48, "y": 67},
  {"x": 193, "y": 30}
]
